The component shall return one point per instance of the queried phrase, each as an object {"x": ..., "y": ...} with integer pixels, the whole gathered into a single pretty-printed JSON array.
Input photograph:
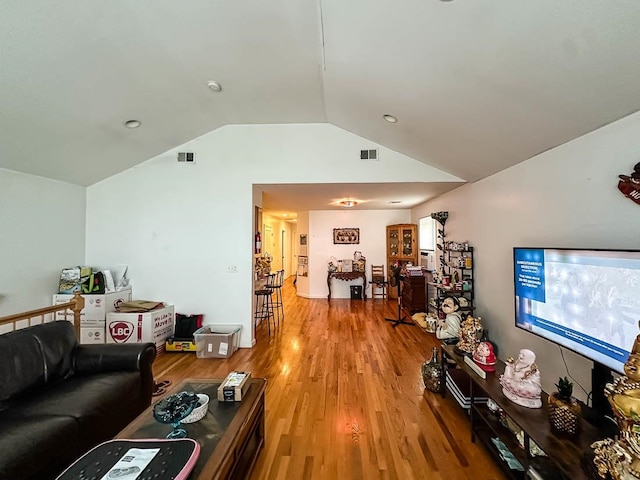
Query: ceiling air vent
[
  {"x": 187, "y": 157},
  {"x": 368, "y": 154}
]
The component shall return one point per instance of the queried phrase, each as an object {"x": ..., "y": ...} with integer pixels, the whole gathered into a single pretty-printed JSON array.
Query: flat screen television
[{"x": 585, "y": 300}]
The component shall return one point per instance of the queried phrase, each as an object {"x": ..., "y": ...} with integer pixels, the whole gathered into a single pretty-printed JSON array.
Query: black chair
[
  {"x": 276, "y": 288},
  {"x": 264, "y": 307}
]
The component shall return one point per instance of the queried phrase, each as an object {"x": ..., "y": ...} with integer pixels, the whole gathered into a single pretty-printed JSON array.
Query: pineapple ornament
[{"x": 564, "y": 409}]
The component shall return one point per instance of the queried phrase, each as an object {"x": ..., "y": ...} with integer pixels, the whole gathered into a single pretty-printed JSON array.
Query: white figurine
[
  {"x": 521, "y": 380},
  {"x": 450, "y": 326}
]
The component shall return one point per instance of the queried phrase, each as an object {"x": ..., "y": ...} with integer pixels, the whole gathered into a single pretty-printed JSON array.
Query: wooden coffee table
[{"x": 230, "y": 435}]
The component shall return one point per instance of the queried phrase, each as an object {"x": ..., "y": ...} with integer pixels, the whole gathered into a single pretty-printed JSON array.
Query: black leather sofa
[{"x": 58, "y": 399}]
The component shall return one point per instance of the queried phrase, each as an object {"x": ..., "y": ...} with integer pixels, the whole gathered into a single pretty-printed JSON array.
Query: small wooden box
[{"x": 234, "y": 387}]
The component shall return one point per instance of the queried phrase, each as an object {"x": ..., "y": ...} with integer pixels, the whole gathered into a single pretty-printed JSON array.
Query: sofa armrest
[{"x": 114, "y": 357}]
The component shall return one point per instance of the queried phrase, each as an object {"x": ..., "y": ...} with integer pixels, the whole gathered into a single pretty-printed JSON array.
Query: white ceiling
[
  {"x": 477, "y": 85},
  {"x": 287, "y": 199}
]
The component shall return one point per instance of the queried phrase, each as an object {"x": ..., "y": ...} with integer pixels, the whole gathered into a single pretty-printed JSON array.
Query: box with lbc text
[
  {"x": 154, "y": 326},
  {"x": 95, "y": 308}
]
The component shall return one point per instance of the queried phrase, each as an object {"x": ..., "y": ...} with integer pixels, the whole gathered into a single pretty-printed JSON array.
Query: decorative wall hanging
[
  {"x": 629, "y": 185},
  {"x": 303, "y": 244},
  {"x": 346, "y": 235},
  {"x": 303, "y": 266}
]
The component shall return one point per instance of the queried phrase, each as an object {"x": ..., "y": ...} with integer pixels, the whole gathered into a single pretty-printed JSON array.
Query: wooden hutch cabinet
[
  {"x": 402, "y": 244},
  {"x": 402, "y": 247}
]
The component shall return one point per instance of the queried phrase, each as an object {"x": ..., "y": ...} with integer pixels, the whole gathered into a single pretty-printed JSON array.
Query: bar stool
[
  {"x": 276, "y": 287},
  {"x": 264, "y": 305}
]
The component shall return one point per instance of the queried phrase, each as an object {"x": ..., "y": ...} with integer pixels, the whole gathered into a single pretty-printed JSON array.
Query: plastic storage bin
[{"x": 217, "y": 341}]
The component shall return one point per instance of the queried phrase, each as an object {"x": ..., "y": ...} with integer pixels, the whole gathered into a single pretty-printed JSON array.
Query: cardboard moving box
[
  {"x": 154, "y": 326},
  {"x": 93, "y": 334},
  {"x": 95, "y": 308}
]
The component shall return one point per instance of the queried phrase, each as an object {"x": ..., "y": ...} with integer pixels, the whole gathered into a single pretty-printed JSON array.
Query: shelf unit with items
[
  {"x": 521, "y": 431},
  {"x": 455, "y": 278}
]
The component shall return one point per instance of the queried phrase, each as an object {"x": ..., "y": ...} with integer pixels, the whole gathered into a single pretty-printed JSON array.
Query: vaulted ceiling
[{"x": 476, "y": 85}]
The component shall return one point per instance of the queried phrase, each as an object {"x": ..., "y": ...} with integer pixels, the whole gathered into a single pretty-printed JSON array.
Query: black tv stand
[{"x": 565, "y": 454}]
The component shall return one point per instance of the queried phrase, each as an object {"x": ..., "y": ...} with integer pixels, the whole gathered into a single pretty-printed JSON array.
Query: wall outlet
[{"x": 232, "y": 269}]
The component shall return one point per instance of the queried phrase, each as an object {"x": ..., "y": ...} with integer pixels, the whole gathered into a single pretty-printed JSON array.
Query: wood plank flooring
[{"x": 345, "y": 398}]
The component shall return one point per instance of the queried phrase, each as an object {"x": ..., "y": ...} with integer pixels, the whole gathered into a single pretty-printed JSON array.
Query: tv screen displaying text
[{"x": 586, "y": 300}]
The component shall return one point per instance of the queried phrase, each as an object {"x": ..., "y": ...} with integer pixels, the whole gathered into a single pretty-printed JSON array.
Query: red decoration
[{"x": 630, "y": 185}]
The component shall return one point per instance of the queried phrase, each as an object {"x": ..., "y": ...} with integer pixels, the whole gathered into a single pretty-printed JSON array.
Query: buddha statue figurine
[
  {"x": 521, "y": 380},
  {"x": 621, "y": 457}
]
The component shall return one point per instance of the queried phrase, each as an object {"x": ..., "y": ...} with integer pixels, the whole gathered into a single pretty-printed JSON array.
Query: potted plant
[{"x": 564, "y": 409}]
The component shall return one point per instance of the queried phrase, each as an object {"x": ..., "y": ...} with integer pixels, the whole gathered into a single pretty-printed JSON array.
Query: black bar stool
[
  {"x": 264, "y": 305},
  {"x": 276, "y": 287}
]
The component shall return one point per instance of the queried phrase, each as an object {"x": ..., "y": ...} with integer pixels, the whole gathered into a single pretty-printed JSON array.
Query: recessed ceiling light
[
  {"x": 390, "y": 118},
  {"x": 132, "y": 123},
  {"x": 348, "y": 203},
  {"x": 214, "y": 86},
  {"x": 285, "y": 214}
]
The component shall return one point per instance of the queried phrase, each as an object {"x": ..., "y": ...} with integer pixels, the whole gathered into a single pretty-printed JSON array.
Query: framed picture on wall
[
  {"x": 303, "y": 266},
  {"x": 303, "y": 244},
  {"x": 346, "y": 235}
]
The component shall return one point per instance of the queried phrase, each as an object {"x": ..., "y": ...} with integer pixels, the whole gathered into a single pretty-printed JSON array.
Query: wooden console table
[{"x": 346, "y": 276}]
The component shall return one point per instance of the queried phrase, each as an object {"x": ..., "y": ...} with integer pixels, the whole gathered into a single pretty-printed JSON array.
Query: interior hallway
[{"x": 345, "y": 398}]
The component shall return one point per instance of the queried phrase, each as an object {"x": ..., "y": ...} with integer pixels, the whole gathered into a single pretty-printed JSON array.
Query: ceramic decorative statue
[
  {"x": 484, "y": 357},
  {"x": 449, "y": 327},
  {"x": 470, "y": 334},
  {"x": 620, "y": 458},
  {"x": 432, "y": 323},
  {"x": 521, "y": 380}
]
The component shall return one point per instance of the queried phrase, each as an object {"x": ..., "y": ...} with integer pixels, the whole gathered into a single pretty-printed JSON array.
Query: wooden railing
[{"x": 76, "y": 304}]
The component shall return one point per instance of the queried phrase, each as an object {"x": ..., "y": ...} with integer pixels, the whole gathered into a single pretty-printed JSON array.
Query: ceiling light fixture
[
  {"x": 132, "y": 123},
  {"x": 214, "y": 86},
  {"x": 390, "y": 118},
  {"x": 348, "y": 203}
]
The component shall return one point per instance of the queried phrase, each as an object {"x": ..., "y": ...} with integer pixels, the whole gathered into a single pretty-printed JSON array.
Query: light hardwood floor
[{"x": 345, "y": 398}]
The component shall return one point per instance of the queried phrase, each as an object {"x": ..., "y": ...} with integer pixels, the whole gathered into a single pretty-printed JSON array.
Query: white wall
[
  {"x": 42, "y": 231},
  {"x": 180, "y": 226},
  {"x": 373, "y": 234},
  {"x": 566, "y": 197},
  {"x": 302, "y": 283}
]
